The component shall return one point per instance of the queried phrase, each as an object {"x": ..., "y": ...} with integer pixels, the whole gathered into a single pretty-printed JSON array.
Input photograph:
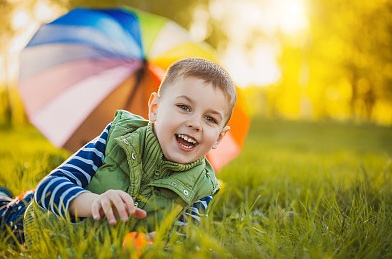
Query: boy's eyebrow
[{"x": 186, "y": 97}]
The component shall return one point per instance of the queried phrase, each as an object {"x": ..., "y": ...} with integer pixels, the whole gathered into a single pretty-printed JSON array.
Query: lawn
[{"x": 298, "y": 189}]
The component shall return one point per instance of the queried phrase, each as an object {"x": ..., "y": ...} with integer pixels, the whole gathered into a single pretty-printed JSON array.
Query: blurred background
[{"x": 293, "y": 59}]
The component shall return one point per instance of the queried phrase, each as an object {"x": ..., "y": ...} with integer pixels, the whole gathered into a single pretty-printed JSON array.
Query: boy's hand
[{"x": 115, "y": 202}]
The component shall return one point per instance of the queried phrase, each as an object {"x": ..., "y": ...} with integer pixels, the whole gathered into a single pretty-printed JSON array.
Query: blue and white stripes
[
  {"x": 66, "y": 182},
  {"x": 63, "y": 184},
  {"x": 196, "y": 212}
]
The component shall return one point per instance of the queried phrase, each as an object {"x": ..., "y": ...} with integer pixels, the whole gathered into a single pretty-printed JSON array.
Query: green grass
[{"x": 298, "y": 189}]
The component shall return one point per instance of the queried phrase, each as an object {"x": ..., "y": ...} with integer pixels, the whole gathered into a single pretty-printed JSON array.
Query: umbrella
[{"x": 77, "y": 70}]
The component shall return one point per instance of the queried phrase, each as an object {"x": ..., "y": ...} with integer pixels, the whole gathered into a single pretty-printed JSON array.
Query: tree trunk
[{"x": 8, "y": 109}]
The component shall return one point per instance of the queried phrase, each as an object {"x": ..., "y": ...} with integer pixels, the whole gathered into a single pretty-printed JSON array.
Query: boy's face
[{"x": 189, "y": 119}]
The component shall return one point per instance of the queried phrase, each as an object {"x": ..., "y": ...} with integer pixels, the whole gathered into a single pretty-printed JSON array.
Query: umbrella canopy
[{"x": 79, "y": 69}]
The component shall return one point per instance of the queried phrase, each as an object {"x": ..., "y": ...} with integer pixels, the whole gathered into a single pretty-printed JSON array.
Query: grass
[{"x": 298, "y": 189}]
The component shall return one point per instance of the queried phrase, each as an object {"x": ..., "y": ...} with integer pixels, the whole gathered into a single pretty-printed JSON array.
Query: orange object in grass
[{"x": 139, "y": 241}]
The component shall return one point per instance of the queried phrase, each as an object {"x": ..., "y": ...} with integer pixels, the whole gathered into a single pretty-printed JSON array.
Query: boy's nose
[{"x": 194, "y": 124}]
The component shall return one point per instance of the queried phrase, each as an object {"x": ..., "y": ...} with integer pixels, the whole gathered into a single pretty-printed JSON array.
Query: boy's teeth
[
  {"x": 186, "y": 146},
  {"x": 187, "y": 139}
]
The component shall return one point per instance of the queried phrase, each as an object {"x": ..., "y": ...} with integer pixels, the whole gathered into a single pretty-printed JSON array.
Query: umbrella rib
[{"x": 139, "y": 76}]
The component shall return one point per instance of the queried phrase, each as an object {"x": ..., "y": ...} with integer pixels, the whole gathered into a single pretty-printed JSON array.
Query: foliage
[
  {"x": 347, "y": 60},
  {"x": 298, "y": 189}
]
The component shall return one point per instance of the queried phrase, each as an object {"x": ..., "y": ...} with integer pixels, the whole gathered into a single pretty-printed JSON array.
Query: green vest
[{"x": 134, "y": 163}]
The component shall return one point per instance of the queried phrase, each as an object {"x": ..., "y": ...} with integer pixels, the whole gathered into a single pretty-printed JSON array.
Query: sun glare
[
  {"x": 25, "y": 22},
  {"x": 256, "y": 64},
  {"x": 43, "y": 12},
  {"x": 20, "y": 20},
  {"x": 258, "y": 68},
  {"x": 199, "y": 28},
  {"x": 292, "y": 17}
]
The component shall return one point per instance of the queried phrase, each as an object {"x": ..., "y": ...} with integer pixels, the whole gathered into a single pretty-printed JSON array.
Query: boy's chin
[{"x": 179, "y": 159}]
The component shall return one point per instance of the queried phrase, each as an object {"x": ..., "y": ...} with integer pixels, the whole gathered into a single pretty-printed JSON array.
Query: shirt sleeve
[
  {"x": 63, "y": 184},
  {"x": 195, "y": 213}
]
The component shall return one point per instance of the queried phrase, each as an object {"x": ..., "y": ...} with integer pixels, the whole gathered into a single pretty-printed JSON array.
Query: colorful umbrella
[{"x": 79, "y": 69}]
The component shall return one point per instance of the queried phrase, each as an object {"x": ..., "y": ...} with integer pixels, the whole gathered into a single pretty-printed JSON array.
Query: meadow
[{"x": 298, "y": 190}]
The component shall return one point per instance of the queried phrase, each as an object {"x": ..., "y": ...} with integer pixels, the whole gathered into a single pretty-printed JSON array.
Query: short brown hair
[{"x": 203, "y": 69}]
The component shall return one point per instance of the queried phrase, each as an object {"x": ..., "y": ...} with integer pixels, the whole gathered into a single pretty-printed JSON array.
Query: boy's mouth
[{"x": 187, "y": 142}]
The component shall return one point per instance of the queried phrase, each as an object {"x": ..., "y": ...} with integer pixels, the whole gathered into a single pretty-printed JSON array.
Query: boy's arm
[{"x": 68, "y": 181}]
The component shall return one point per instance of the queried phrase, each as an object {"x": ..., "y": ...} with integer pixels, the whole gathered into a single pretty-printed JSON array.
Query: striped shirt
[{"x": 63, "y": 184}]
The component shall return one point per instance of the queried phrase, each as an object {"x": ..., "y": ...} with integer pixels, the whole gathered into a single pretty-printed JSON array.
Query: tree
[
  {"x": 351, "y": 42},
  {"x": 6, "y": 34}
]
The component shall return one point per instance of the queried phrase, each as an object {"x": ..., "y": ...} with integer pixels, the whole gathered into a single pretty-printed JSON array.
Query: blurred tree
[
  {"x": 351, "y": 44},
  {"x": 6, "y": 35},
  {"x": 290, "y": 89}
]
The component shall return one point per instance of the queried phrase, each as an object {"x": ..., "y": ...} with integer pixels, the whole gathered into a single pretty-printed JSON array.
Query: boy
[{"x": 147, "y": 169}]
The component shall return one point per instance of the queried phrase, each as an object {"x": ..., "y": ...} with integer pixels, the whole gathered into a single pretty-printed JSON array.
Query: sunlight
[
  {"x": 17, "y": 44},
  {"x": 290, "y": 15},
  {"x": 250, "y": 13},
  {"x": 2, "y": 68},
  {"x": 257, "y": 68},
  {"x": 25, "y": 22},
  {"x": 199, "y": 28},
  {"x": 20, "y": 20},
  {"x": 43, "y": 12},
  {"x": 253, "y": 29}
]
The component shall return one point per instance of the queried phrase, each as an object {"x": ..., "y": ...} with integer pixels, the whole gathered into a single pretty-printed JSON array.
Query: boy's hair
[{"x": 203, "y": 69}]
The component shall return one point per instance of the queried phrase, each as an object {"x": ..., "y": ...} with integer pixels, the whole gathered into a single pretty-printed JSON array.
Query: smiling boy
[
  {"x": 146, "y": 169},
  {"x": 189, "y": 118}
]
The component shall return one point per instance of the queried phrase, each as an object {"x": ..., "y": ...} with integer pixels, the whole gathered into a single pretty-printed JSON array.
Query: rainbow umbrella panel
[{"x": 79, "y": 69}]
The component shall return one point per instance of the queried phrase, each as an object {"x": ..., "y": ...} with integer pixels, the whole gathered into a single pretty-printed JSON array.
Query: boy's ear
[
  {"x": 220, "y": 137},
  {"x": 152, "y": 107}
]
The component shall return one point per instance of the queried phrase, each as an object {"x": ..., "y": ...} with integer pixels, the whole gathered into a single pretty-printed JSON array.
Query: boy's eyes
[
  {"x": 187, "y": 108},
  {"x": 184, "y": 107},
  {"x": 211, "y": 119}
]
